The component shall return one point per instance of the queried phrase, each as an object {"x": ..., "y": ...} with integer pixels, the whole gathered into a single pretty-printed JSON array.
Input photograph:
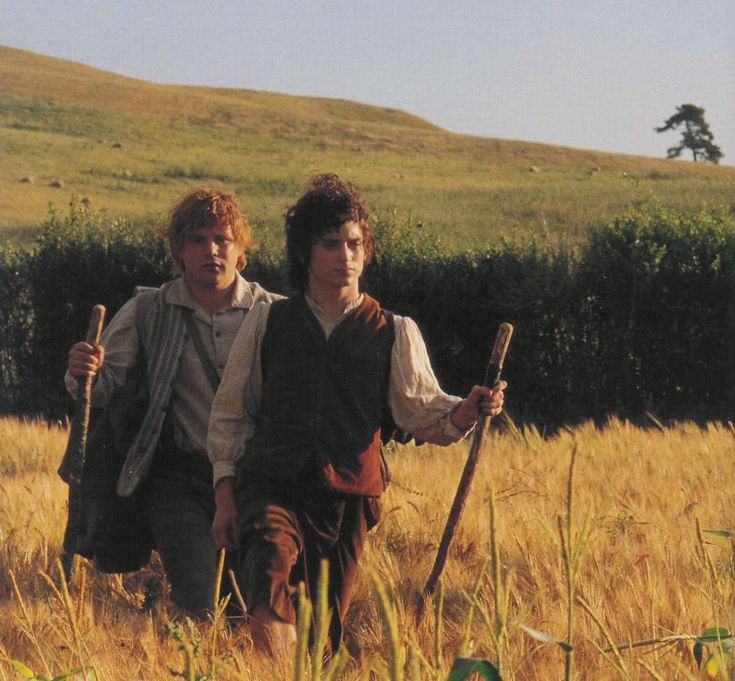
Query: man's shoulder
[
  {"x": 146, "y": 296},
  {"x": 154, "y": 305},
  {"x": 147, "y": 290},
  {"x": 261, "y": 295}
]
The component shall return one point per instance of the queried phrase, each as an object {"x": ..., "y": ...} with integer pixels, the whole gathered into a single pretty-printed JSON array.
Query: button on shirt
[{"x": 192, "y": 393}]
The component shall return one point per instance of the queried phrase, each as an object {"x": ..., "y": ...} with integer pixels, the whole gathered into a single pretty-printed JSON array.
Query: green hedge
[{"x": 641, "y": 318}]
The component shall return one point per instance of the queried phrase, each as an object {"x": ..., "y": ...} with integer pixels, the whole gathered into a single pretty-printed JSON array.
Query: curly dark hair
[
  {"x": 326, "y": 205},
  {"x": 205, "y": 207}
]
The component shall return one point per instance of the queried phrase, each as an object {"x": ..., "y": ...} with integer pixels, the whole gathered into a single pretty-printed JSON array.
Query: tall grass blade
[
  {"x": 438, "y": 625},
  {"x": 303, "y": 626},
  {"x": 387, "y": 610},
  {"x": 30, "y": 631},
  {"x": 469, "y": 617},
  {"x": 322, "y": 618}
]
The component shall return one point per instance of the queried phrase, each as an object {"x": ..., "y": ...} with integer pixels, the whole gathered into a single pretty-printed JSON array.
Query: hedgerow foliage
[
  {"x": 641, "y": 318},
  {"x": 78, "y": 260}
]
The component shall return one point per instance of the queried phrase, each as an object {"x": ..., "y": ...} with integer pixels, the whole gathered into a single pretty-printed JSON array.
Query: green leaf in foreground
[
  {"x": 89, "y": 675},
  {"x": 719, "y": 533},
  {"x": 20, "y": 668},
  {"x": 709, "y": 635},
  {"x": 546, "y": 638},
  {"x": 464, "y": 666}
]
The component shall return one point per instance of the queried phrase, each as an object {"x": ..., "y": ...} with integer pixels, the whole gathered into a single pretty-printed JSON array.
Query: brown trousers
[{"x": 285, "y": 531}]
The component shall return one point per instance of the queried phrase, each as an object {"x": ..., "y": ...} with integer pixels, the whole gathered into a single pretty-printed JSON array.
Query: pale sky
[{"x": 591, "y": 74}]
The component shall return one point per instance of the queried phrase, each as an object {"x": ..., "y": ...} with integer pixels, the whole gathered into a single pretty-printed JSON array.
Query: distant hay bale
[
  {"x": 56, "y": 183},
  {"x": 27, "y": 179},
  {"x": 535, "y": 169},
  {"x": 116, "y": 145}
]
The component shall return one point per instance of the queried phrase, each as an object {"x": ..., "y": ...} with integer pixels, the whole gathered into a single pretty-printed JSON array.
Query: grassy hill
[{"x": 131, "y": 148}]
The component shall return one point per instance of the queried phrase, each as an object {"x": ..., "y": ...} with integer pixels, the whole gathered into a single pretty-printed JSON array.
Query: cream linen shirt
[
  {"x": 419, "y": 406},
  {"x": 192, "y": 394}
]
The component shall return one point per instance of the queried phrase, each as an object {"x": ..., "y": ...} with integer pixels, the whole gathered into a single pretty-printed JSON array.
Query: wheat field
[{"x": 634, "y": 525}]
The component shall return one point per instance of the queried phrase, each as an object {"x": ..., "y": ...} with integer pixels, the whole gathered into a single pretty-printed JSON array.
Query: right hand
[
  {"x": 224, "y": 525},
  {"x": 85, "y": 360}
]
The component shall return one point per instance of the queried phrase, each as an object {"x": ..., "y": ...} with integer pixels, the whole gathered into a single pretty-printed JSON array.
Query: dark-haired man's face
[{"x": 338, "y": 258}]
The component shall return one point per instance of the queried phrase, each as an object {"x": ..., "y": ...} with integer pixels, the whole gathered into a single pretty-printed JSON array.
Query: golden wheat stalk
[
  {"x": 387, "y": 610},
  {"x": 322, "y": 617},
  {"x": 302, "y": 635},
  {"x": 29, "y": 628}
]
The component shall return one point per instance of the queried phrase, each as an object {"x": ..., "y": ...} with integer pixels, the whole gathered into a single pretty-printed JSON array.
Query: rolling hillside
[{"x": 131, "y": 147}]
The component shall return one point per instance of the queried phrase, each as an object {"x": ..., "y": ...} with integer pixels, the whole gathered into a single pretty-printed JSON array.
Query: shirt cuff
[
  {"x": 450, "y": 430},
  {"x": 222, "y": 469},
  {"x": 70, "y": 383}
]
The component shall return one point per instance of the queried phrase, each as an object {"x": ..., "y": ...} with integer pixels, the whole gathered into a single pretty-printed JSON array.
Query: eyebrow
[{"x": 337, "y": 239}]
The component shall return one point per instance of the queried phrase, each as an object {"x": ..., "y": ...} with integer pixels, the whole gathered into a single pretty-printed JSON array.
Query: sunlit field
[{"x": 634, "y": 525}]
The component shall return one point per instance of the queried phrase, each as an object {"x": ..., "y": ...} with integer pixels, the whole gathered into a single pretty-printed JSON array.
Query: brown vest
[{"x": 322, "y": 399}]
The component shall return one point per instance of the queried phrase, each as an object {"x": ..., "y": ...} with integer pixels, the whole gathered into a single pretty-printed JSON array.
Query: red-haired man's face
[{"x": 210, "y": 257}]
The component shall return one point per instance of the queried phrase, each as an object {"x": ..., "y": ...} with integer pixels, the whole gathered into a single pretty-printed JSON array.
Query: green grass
[{"x": 59, "y": 121}]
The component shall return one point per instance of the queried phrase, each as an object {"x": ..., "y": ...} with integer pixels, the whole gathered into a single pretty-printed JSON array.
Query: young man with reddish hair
[
  {"x": 166, "y": 466},
  {"x": 294, "y": 435}
]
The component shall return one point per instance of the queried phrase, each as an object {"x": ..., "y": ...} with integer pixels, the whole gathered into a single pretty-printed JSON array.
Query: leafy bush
[
  {"x": 16, "y": 324},
  {"x": 656, "y": 294},
  {"x": 641, "y": 318},
  {"x": 78, "y": 260}
]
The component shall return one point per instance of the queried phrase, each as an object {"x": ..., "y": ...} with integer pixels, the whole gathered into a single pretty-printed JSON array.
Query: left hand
[{"x": 481, "y": 401}]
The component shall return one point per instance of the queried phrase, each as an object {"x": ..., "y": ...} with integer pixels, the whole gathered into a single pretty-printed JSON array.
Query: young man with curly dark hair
[{"x": 294, "y": 436}]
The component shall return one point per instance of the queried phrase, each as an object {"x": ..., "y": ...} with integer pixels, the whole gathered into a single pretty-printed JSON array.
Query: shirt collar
[
  {"x": 321, "y": 313},
  {"x": 178, "y": 293}
]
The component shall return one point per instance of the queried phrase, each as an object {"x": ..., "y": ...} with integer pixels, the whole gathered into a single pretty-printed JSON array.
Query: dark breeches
[
  {"x": 285, "y": 533},
  {"x": 179, "y": 502}
]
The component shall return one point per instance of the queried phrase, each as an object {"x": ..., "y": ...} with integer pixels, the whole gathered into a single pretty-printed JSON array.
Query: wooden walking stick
[
  {"x": 492, "y": 376},
  {"x": 72, "y": 465},
  {"x": 76, "y": 446}
]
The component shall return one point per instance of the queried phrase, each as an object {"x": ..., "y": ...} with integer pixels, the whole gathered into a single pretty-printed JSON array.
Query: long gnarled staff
[
  {"x": 76, "y": 447},
  {"x": 72, "y": 466},
  {"x": 492, "y": 376}
]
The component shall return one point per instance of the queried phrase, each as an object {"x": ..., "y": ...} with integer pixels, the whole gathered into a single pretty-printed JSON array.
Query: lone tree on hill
[{"x": 695, "y": 136}]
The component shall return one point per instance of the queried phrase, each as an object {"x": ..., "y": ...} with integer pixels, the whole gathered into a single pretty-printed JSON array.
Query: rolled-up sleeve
[
  {"x": 419, "y": 406},
  {"x": 237, "y": 401}
]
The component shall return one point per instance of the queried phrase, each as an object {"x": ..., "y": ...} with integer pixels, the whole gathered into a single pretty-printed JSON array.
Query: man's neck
[
  {"x": 212, "y": 299},
  {"x": 333, "y": 301}
]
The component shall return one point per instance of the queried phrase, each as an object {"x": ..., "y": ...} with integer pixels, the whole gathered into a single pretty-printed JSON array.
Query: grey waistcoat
[{"x": 161, "y": 329}]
